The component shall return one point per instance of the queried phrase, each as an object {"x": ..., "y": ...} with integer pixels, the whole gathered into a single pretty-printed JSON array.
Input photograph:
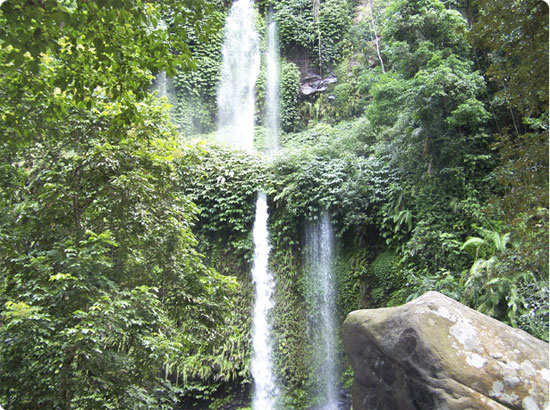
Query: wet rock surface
[{"x": 435, "y": 353}]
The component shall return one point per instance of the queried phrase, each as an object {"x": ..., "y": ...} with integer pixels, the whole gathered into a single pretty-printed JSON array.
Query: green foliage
[
  {"x": 386, "y": 277},
  {"x": 513, "y": 281},
  {"x": 80, "y": 48},
  {"x": 387, "y": 92},
  {"x": 224, "y": 188},
  {"x": 295, "y": 23},
  {"x": 429, "y": 101},
  {"x": 516, "y": 35},
  {"x": 195, "y": 107},
  {"x": 290, "y": 88},
  {"x": 427, "y": 118},
  {"x": 350, "y": 267},
  {"x": 415, "y": 30},
  {"x": 100, "y": 266},
  {"x": 384, "y": 269},
  {"x": 348, "y": 102},
  {"x": 334, "y": 23},
  {"x": 502, "y": 286},
  {"x": 98, "y": 258},
  {"x": 291, "y": 351},
  {"x": 321, "y": 37},
  {"x": 107, "y": 299},
  {"x": 442, "y": 280}
]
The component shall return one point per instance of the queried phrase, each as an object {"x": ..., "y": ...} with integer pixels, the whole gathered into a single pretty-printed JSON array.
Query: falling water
[
  {"x": 240, "y": 68},
  {"x": 164, "y": 87},
  {"x": 265, "y": 385},
  {"x": 272, "y": 94},
  {"x": 322, "y": 328},
  {"x": 161, "y": 84},
  {"x": 239, "y": 71},
  {"x": 265, "y": 388}
]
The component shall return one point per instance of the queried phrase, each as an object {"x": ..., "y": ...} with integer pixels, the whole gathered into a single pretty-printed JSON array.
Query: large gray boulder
[{"x": 435, "y": 353}]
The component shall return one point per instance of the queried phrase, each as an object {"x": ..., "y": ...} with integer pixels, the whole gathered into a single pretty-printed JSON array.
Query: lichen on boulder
[{"x": 435, "y": 353}]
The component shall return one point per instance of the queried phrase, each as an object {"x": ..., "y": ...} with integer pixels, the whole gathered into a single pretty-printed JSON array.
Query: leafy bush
[
  {"x": 386, "y": 278},
  {"x": 323, "y": 39},
  {"x": 290, "y": 88},
  {"x": 195, "y": 108},
  {"x": 112, "y": 287}
]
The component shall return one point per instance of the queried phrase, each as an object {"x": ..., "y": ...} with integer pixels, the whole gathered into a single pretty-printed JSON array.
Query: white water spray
[
  {"x": 322, "y": 296},
  {"x": 273, "y": 85},
  {"x": 239, "y": 71},
  {"x": 164, "y": 86},
  {"x": 265, "y": 387},
  {"x": 261, "y": 365}
]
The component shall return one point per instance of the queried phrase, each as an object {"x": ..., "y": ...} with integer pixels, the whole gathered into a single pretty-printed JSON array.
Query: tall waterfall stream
[
  {"x": 261, "y": 366},
  {"x": 266, "y": 391},
  {"x": 273, "y": 85},
  {"x": 240, "y": 68},
  {"x": 322, "y": 321}
]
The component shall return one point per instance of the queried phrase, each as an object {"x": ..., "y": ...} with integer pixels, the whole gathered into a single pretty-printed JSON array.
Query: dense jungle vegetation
[{"x": 125, "y": 229}]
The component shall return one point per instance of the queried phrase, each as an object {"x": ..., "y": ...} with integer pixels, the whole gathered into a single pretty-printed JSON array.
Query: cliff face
[
  {"x": 301, "y": 56},
  {"x": 435, "y": 353}
]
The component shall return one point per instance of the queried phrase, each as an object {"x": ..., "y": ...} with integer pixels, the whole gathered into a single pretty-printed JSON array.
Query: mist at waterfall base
[
  {"x": 239, "y": 72},
  {"x": 321, "y": 298},
  {"x": 235, "y": 97}
]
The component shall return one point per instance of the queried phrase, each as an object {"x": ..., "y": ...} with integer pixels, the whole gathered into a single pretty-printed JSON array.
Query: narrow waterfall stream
[
  {"x": 261, "y": 366},
  {"x": 266, "y": 391},
  {"x": 273, "y": 85},
  {"x": 322, "y": 321},
  {"x": 164, "y": 86},
  {"x": 240, "y": 69}
]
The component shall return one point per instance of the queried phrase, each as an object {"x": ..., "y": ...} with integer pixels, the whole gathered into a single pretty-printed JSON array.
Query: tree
[
  {"x": 429, "y": 119},
  {"x": 99, "y": 267},
  {"x": 84, "y": 48},
  {"x": 515, "y": 34},
  {"x": 512, "y": 38},
  {"x": 103, "y": 293}
]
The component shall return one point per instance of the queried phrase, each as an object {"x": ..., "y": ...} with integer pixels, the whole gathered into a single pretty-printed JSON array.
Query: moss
[{"x": 387, "y": 280}]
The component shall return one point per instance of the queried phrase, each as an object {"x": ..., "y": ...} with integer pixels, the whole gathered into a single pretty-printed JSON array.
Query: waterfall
[
  {"x": 273, "y": 83},
  {"x": 322, "y": 322},
  {"x": 265, "y": 388},
  {"x": 161, "y": 84},
  {"x": 164, "y": 87},
  {"x": 239, "y": 71},
  {"x": 261, "y": 366}
]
